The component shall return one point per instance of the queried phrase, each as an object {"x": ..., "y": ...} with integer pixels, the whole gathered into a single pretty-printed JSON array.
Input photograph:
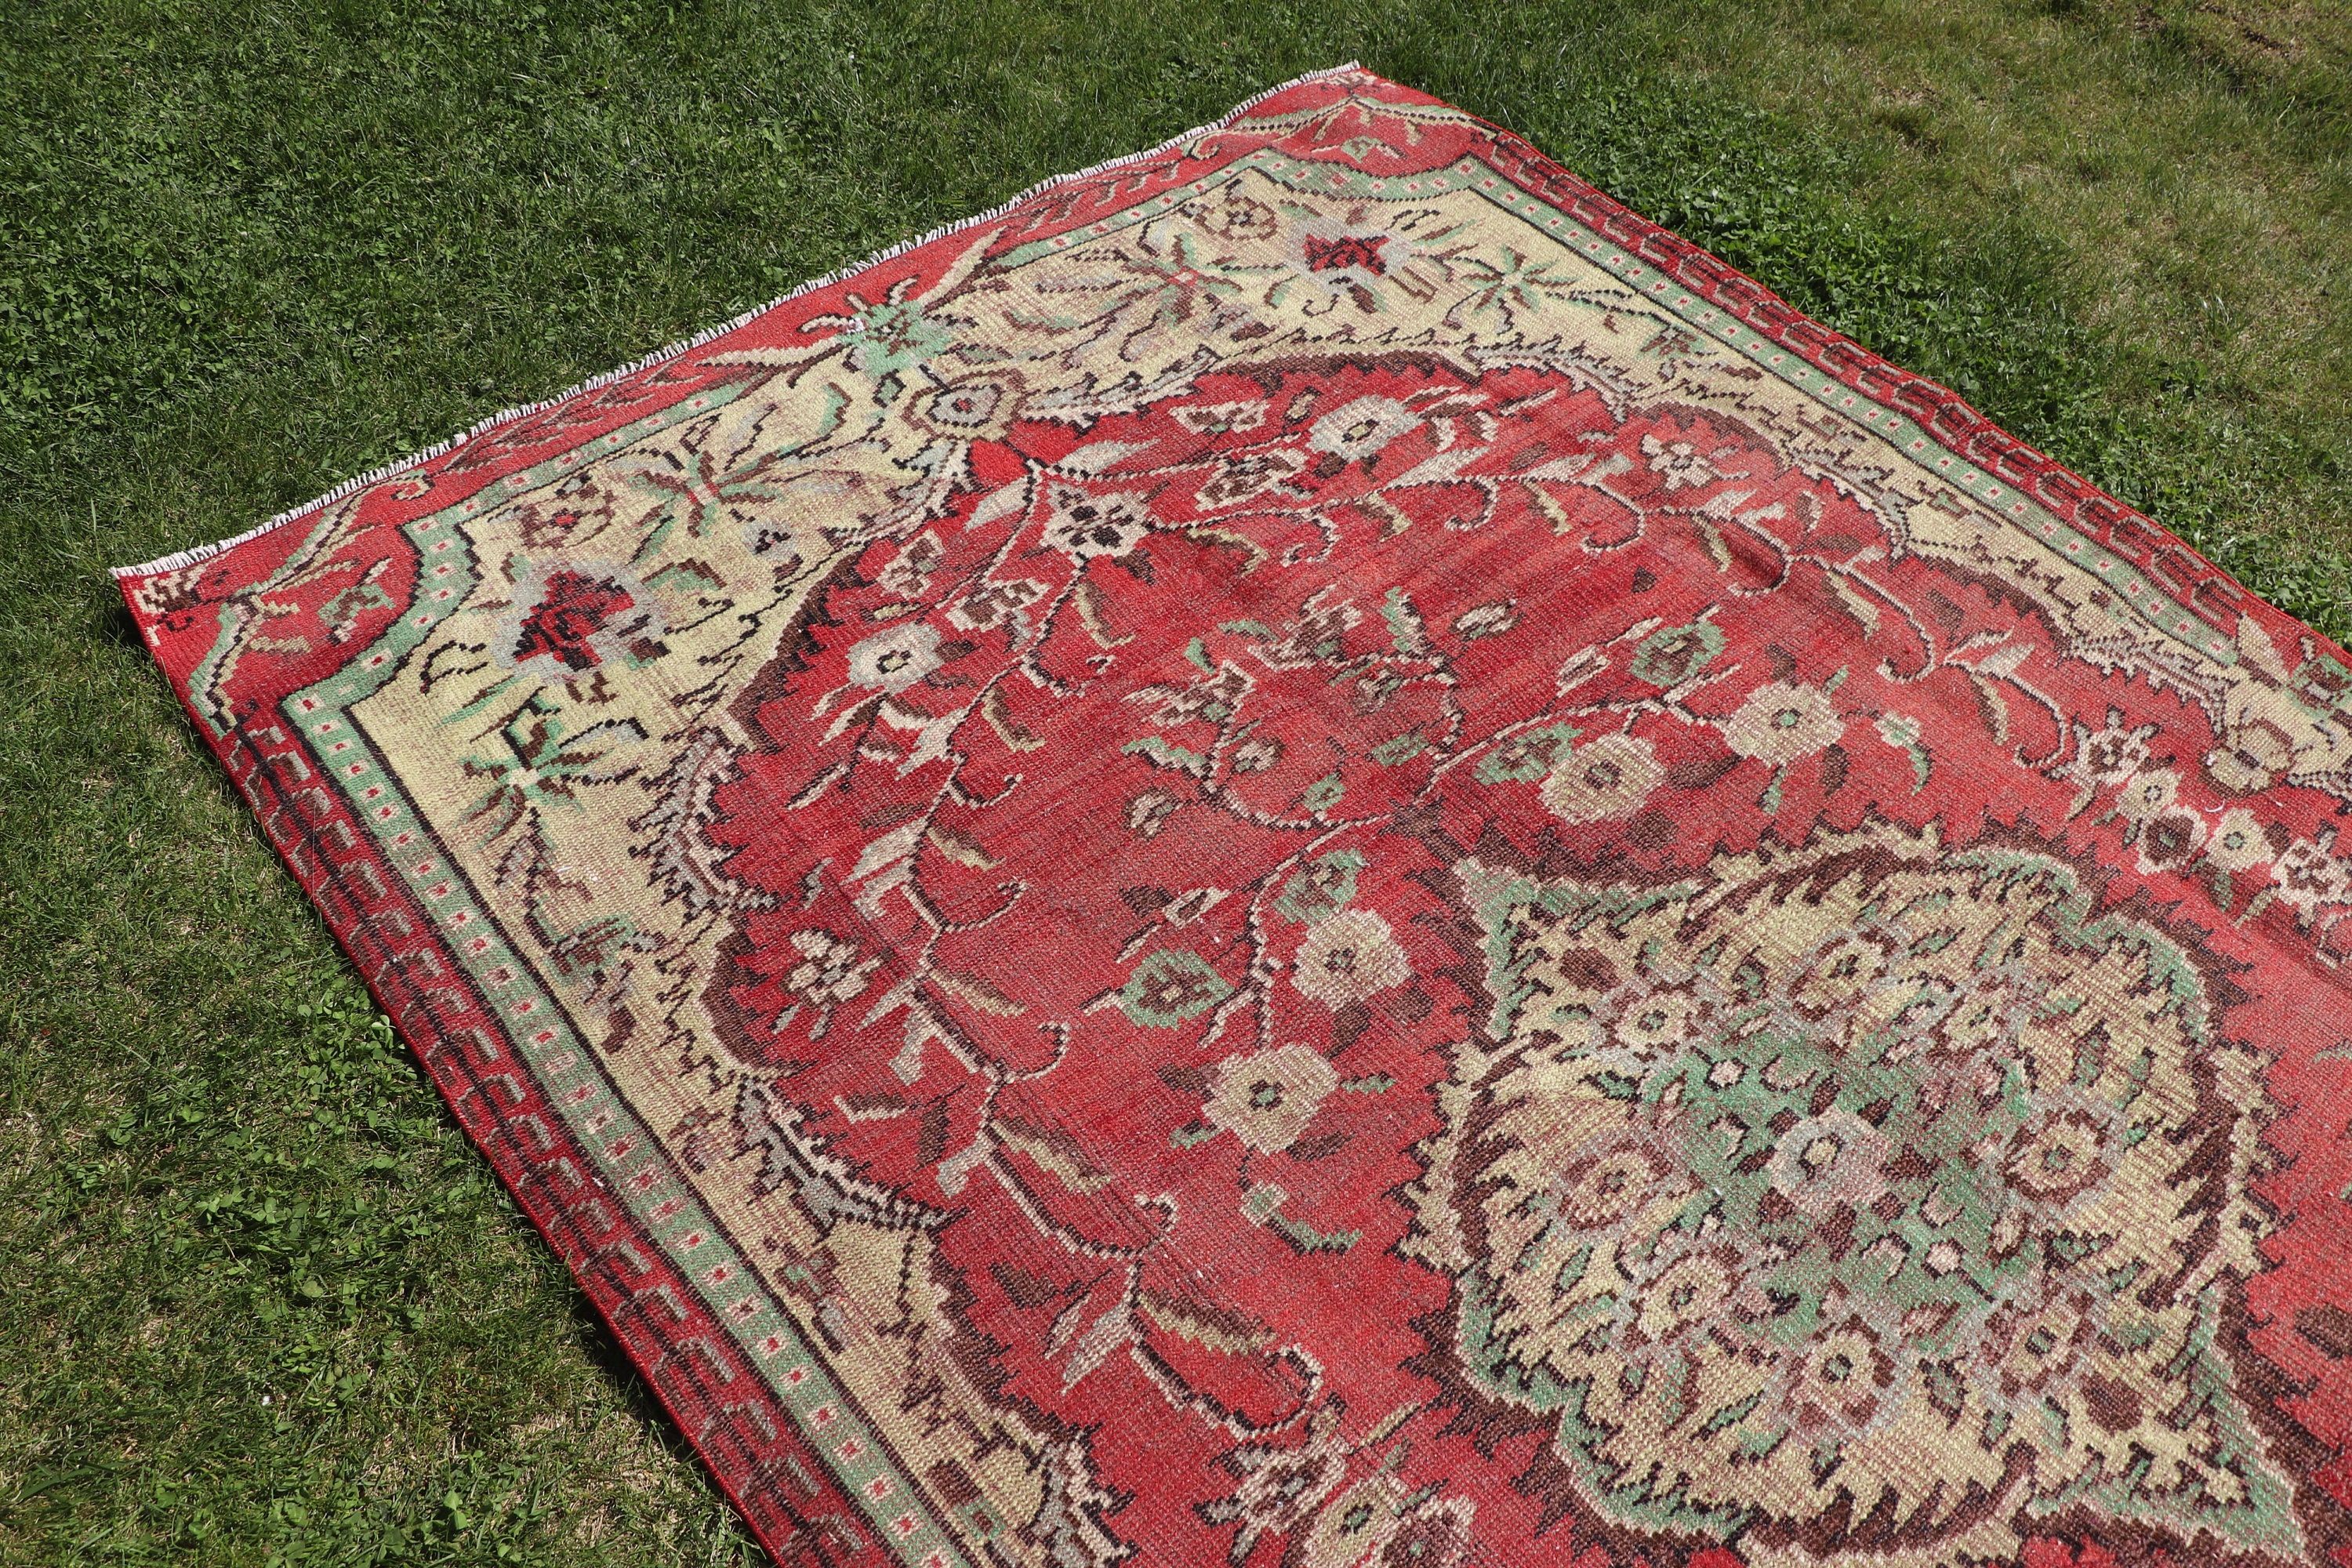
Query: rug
[{"x": 1310, "y": 851}]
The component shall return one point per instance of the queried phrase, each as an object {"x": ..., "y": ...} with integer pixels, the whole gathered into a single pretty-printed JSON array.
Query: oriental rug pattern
[{"x": 1313, "y": 852}]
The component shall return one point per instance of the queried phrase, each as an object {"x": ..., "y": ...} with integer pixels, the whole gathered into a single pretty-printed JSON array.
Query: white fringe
[{"x": 172, "y": 563}]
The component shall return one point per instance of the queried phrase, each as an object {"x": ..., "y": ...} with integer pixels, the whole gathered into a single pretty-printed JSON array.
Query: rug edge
[{"x": 196, "y": 553}]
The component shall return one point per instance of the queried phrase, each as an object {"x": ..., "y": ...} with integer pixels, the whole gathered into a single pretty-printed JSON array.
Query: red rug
[{"x": 1311, "y": 851}]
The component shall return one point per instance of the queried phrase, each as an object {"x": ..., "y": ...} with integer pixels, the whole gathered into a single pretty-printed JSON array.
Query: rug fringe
[{"x": 195, "y": 554}]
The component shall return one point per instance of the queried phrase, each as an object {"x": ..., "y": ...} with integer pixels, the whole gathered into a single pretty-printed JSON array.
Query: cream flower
[
  {"x": 1783, "y": 723},
  {"x": 2148, "y": 794},
  {"x": 1361, "y": 427},
  {"x": 2240, "y": 841},
  {"x": 895, "y": 659},
  {"x": 1265, "y": 1098},
  {"x": 1348, "y": 957},
  {"x": 1609, "y": 778},
  {"x": 2308, "y": 876}
]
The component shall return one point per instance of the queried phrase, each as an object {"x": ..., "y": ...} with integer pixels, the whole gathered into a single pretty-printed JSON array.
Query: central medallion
[{"x": 1854, "y": 1198}]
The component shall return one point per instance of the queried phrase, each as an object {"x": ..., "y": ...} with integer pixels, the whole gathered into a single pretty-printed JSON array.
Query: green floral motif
[
  {"x": 1673, "y": 656},
  {"x": 1170, "y": 987},
  {"x": 1320, "y": 888},
  {"x": 1510, "y": 285},
  {"x": 545, "y": 762},
  {"x": 894, "y": 336},
  {"x": 1832, "y": 1159},
  {"x": 1527, "y": 757}
]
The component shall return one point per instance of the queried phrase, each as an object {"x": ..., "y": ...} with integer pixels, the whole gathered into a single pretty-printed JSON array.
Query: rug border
[
  {"x": 1966, "y": 431},
  {"x": 2077, "y": 501},
  {"x": 199, "y": 552}
]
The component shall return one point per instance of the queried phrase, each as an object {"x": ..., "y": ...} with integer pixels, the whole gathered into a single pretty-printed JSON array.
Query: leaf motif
[
  {"x": 888, "y": 850},
  {"x": 1000, "y": 502},
  {"x": 1407, "y": 632},
  {"x": 2003, "y": 662},
  {"x": 974, "y": 992},
  {"x": 1995, "y": 710},
  {"x": 1092, "y": 613},
  {"x": 1213, "y": 1328},
  {"x": 2254, "y": 646},
  {"x": 1438, "y": 467},
  {"x": 1095, "y": 455},
  {"x": 1855, "y": 603},
  {"x": 1088, "y": 1349},
  {"x": 1057, "y": 1153},
  {"x": 1546, "y": 503},
  {"x": 1008, "y": 728},
  {"x": 1712, "y": 537},
  {"x": 960, "y": 848}
]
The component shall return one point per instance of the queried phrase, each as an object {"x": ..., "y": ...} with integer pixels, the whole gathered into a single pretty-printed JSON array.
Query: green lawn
[{"x": 264, "y": 1303}]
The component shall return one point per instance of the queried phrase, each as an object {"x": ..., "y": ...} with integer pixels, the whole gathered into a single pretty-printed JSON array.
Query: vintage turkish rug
[{"x": 1312, "y": 852}]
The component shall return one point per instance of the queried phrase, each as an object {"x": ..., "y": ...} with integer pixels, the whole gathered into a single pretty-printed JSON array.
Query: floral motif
[
  {"x": 831, "y": 970},
  {"x": 1604, "y": 778},
  {"x": 1086, "y": 525},
  {"x": 1171, "y": 987},
  {"x": 570, "y": 618},
  {"x": 1347, "y": 958},
  {"x": 1322, "y": 886},
  {"x": 1248, "y": 477},
  {"x": 2148, "y": 794},
  {"x": 1833, "y": 1096},
  {"x": 2169, "y": 840},
  {"x": 2107, "y": 755},
  {"x": 1266, "y": 1099},
  {"x": 1671, "y": 657},
  {"x": 2309, "y": 876},
  {"x": 1360, "y": 428},
  {"x": 1680, "y": 464},
  {"x": 1783, "y": 723},
  {"x": 1434, "y": 1535},
  {"x": 975, "y": 408},
  {"x": 2239, "y": 842},
  {"x": 896, "y": 659}
]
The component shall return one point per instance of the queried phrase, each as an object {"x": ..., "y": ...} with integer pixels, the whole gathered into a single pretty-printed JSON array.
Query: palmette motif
[{"x": 1312, "y": 852}]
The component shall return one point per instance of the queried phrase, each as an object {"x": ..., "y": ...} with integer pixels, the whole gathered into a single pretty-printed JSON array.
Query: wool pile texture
[{"x": 1313, "y": 852}]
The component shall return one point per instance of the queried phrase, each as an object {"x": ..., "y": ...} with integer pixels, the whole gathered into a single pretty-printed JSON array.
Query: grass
[{"x": 266, "y": 1306}]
